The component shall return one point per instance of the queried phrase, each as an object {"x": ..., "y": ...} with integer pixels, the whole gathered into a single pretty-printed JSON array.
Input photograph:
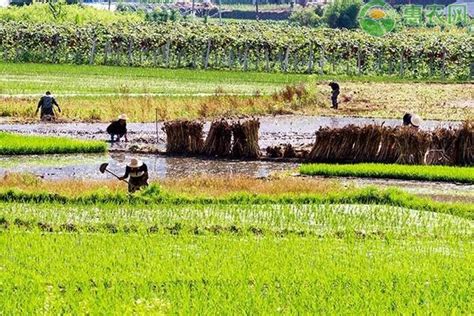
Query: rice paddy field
[
  {"x": 14, "y": 144},
  {"x": 216, "y": 235},
  {"x": 413, "y": 172},
  {"x": 98, "y": 93},
  {"x": 216, "y": 258}
]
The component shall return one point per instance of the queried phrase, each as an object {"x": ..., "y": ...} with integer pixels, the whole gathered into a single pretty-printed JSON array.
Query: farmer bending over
[
  {"x": 46, "y": 104},
  {"x": 118, "y": 129},
  {"x": 138, "y": 173},
  {"x": 335, "y": 92},
  {"x": 410, "y": 119}
]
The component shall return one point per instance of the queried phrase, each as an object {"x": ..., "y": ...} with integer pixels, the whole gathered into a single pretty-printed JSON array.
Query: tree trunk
[
  {"x": 94, "y": 44},
  {"x": 130, "y": 51},
  {"x": 208, "y": 51},
  {"x": 310, "y": 59}
]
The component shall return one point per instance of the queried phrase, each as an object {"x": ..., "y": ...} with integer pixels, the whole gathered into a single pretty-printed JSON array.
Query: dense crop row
[
  {"x": 153, "y": 196},
  {"x": 392, "y": 171},
  {"x": 240, "y": 46},
  {"x": 13, "y": 144},
  {"x": 341, "y": 260},
  {"x": 323, "y": 220}
]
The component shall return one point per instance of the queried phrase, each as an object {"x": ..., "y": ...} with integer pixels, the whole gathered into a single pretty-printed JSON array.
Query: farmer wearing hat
[
  {"x": 410, "y": 119},
  {"x": 335, "y": 93},
  {"x": 118, "y": 129},
  {"x": 46, "y": 104},
  {"x": 138, "y": 173}
]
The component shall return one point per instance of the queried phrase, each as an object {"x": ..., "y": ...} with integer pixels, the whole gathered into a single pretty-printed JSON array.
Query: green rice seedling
[
  {"x": 154, "y": 196},
  {"x": 96, "y": 273},
  {"x": 392, "y": 171},
  {"x": 14, "y": 144},
  {"x": 162, "y": 254},
  {"x": 371, "y": 221},
  {"x": 91, "y": 93}
]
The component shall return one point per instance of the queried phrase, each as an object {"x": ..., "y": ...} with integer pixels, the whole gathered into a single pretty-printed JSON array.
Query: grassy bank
[
  {"x": 98, "y": 93},
  {"x": 13, "y": 144},
  {"x": 405, "y": 172}
]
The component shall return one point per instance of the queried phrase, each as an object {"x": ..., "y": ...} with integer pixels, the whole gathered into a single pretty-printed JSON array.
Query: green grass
[
  {"x": 359, "y": 251},
  {"x": 153, "y": 195},
  {"x": 14, "y": 144},
  {"x": 74, "y": 79},
  {"x": 266, "y": 219},
  {"x": 394, "y": 171},
  {"x": 99, "y": 93},
  {"x": 233, "y": 259}
]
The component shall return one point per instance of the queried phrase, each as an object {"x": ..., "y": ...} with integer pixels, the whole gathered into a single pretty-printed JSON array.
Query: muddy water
[
  {"x": 87, "y": 166},
  {"x": 296, "y": 130},
  {"x": 56, "y": 167}
]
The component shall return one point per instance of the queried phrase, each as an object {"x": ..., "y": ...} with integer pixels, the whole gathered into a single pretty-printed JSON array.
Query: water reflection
[{"x": 87, "y": 166}]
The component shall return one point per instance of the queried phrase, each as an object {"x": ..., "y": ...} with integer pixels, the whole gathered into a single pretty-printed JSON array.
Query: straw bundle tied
[
  {"x": 287, "y": 151},
  {"x": 184, "y": 137},
  {"x": 245, "y": 142},
  {"x": 388, "y": 150},
  {"x": 218, "y": 141},
  {"x": 412, "y": 145},
  {"x": 274, "y": 151},
  {"x": 443, "y": 147},
  {"x": 370, "y": 143},
  {"x": 404, "y": 145},
  {"x": 349, "y": 143},
  {"x": 464, "y": 146}
]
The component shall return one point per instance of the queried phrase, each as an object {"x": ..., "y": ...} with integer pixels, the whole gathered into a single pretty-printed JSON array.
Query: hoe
[{"x": 103, "y": 169}]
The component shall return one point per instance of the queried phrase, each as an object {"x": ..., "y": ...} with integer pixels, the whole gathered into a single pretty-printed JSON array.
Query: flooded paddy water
[
  {"x": 274, "y": 130},
  {"x": 297, "y": 130}
]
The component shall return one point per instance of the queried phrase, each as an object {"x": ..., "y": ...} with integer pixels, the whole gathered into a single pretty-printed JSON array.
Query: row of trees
[{"x": 245, "y": 46}]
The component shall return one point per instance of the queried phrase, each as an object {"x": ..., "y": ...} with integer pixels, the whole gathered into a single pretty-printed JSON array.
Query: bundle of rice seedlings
[
  {"x": 324, "y": 149},
  {"x": 274, "y": 151},
  {"x": 183, "y": 137},
  {"x": 367, "y": 144},
  {"x": 289, "y": 151},
  {"x": 196, "y": 137},
  {"x": 412, "y": 145},
  {"x": 245, "y": 142},
  {"x": 442, "y": 149},
  {"x": 343, "y": 144},
  {"x": 388, "y": 150},
  {"x": 464, "y": 145},
  {"x": 218, "y": 141}
]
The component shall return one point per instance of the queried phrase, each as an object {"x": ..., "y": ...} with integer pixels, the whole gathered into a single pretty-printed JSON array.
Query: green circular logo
[{"x": 375, "y": 18}]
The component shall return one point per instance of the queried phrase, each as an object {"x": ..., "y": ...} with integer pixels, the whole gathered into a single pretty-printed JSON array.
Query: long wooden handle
[{"x": 116, "y": 176}]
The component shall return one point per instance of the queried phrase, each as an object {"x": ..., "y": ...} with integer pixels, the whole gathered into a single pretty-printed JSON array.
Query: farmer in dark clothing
[
  {"x": 335, "y": 92},
  {"x": 410, "y": 119},
  {"x": 118, "y": 129},
  {"x": 138, "y": 173},
  {"x": 46, "y": 104}
]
